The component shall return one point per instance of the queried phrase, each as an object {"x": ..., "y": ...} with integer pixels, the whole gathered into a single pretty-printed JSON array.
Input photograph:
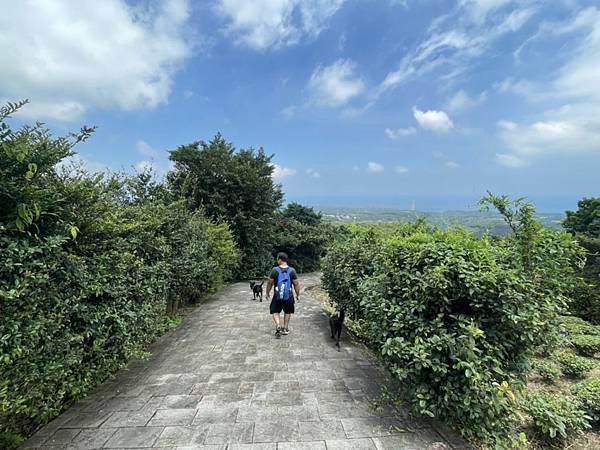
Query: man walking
[{"x": 283, "y": 277}]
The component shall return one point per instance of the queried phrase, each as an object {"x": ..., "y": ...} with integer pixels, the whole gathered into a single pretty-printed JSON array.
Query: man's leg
[
  {"x": 286, "y": 320},
  {"x": 277, "y": 318}
]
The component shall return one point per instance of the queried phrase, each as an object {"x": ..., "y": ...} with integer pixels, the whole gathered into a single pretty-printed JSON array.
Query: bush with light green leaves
[
  {"x": 555, "y": 418},
  {"x": 89, "y": 267},
  {"x": 587, "y": 393},
  {"x": 455, "y": 317}
]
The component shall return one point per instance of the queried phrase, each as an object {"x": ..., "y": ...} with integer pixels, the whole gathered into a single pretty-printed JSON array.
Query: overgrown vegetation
[
  {"x": 585, "y": 226},
  {"x": 456, "y": 318},
  {"x": 90, "y": 265}
]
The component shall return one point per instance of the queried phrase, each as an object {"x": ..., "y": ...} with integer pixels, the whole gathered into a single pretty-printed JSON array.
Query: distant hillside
[{"x": 476, "y": 221}]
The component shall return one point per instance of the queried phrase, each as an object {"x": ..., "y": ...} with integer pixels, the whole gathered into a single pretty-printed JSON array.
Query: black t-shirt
[{"x": 275, "y": 277}]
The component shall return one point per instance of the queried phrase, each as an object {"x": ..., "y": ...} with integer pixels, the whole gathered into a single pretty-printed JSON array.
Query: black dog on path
[
  {"x": 257, "y": 290},
  {"x": 336, "y": 321}
]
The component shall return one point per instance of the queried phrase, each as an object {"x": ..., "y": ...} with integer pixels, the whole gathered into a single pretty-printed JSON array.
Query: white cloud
[
  {"x": 280, "y": 172},
  {"x": 575, "y": 134},
  {"x": 335, "y": 84},
  {"x": 79, "y": 162},
  {"x": 187, "y": 94},
  {"x": 458, "y": 38},
  {"x": 401, "y": 170},
  {"x": 511, "y": 161},
  {"x": 437, "y": 121},
  {"x": 462, "y": 101},
  {"x": 145, "y": 150},
  {"x": 69, "y": 57},
  {"x": 375, "y": 167},
  {"x": 264, "y": 24},
  {"x": 313, "y": 173},
  {"x": 399, "y": 132},
  {"x": 452, "y": 165},
  {"x": 573, "y": 125},
  {"x": 289, "y": 111}
]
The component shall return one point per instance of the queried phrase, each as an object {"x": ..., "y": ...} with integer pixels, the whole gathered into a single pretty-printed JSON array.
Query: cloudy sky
[{"x": 364, "y": 102}]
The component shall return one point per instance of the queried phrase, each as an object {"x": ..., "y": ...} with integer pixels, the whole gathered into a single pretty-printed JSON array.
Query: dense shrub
[
  {"x": 576, "y": 326},
  {"x": 302, "y": 234},
  {"x": 548, "y": 371},
  {"x": 572, "y": 365},
  {"x": 455, "y": 317},
  {"x": 88, "y": 268},
  {"x": 587, "y": 393},
  {"x": 586, "y": 345},
  {"x": 585, "y": 225},
  {"x": 554, "y": 416}
]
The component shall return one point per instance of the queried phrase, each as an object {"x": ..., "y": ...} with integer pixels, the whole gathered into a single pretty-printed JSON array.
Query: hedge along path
[{"x": 221, "y": 380}]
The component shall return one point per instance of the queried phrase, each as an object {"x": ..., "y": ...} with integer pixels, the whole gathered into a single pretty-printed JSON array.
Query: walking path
[{"x": 222, "y": 381}]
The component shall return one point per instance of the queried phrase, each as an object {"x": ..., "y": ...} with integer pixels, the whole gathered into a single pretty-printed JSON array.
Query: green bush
[
  {"x": 572, "y": 365},
  {"x": 548, "y": 371},
  {"x": 576, "y": 326},
  {"x": 88, "y": 268},
  {"x": 586, "y": 345},
  {"x": 554, "y": 416},
  {"x": 455, "y": 317},
  {"x": 587, "y": 393},
  {"x": 302, "y": 234}
]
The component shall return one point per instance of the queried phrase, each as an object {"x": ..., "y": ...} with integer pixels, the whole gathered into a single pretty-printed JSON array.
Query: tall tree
[{"x": 235, "y": 186}]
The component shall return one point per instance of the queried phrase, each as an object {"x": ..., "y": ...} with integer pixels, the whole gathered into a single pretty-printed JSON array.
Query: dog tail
[{"x": 263, "y": 282}]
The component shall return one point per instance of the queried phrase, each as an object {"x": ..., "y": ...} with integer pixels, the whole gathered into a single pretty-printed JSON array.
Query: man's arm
[
  {"x": 269, "y": 286},
  {"x": 296, "y": 288}
]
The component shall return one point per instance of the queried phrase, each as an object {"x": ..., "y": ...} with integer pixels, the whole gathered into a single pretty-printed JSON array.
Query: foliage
[
  {"x": 548, "y": 371},
  {"x": 572, "y": 365},
  {"x": 554, "y": 417},
  {"x": 88, "y": 266},
  {"x": 234, "y": 186},
  {"x": 585, "y": 225},
  {"x": 586, "y": 345},
  {"x": 576, "y": 326},
  {"x": 587, "y": 393},
  {"x": 456, "y": 317},
  {"x": 301, "y": 234}
]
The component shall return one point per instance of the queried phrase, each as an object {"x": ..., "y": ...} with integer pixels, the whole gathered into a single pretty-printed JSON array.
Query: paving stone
[
  {"x": 215, "y": 414},
  {"x": 129, "y": 418},
  {"x": 62, "y": 436},
  {"x": 88, "y": 420},
  {"x": 371, "y": 426},
  {"x": 321, "y": 430},
  {"x": 134, "y": 437},
  {"x": 276, "y": 431},
  {"x": 182, "y": 436},
  {"x": 229, "y": 433},
  {"x": 312, "y": 445},
  {"x": 352, "y": 444},
  {"x": 172, "y": 417},
  {"x": 179, "y": 401},
  {"x": 91, "y": 438}
]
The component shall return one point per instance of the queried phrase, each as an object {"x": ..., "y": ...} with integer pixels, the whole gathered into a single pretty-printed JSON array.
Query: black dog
[
  {"x": 257, "y": 290},
  {"x": 335, "y": 322}
]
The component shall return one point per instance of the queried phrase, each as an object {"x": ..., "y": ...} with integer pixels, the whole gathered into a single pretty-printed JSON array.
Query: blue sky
[{"x": 363, "y": 102}]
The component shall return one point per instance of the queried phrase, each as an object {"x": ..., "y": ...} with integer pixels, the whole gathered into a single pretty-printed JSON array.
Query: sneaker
[
  {"x": 285, "y": 331},
  {"x": 278, "y": 332}
]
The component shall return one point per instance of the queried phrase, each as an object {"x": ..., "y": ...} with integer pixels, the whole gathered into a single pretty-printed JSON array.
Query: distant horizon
[{"x": 430, "y": 204}]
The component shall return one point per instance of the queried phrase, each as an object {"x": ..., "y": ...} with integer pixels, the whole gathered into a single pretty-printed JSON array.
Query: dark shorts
[{"x": 287, "y": 306}]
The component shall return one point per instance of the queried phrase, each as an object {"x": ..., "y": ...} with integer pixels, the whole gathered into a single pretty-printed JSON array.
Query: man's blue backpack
[{"x": 284, "y": 283}]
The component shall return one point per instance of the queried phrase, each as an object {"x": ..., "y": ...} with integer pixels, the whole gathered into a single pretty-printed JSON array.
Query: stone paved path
[{"x": 221, "y": 381}]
